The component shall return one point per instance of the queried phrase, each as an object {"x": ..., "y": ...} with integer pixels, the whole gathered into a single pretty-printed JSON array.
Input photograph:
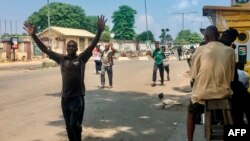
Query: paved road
[{"x": 131, "y": 111}]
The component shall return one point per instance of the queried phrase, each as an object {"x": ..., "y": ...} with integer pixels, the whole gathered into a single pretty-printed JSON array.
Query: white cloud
[
  {"x": 191, "y": 22},
  {"x": 195, "y": 2},
  {"x": 153, "y": 26},
  {"x": 183, "y": 4}
]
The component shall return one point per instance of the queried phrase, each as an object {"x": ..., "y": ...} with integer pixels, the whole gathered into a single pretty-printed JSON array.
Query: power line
[
  {"x": 200, "y": 22},
  {"x": 183, "y": 14}
]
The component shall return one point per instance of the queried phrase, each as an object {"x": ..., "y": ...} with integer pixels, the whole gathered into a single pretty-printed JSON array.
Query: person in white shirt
[
  {"x": 243, "y": 76},
  {"x": 97, "y": 58}
]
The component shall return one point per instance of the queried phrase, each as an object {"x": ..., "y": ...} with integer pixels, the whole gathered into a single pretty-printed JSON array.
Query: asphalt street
[{"x": 130, "y": 111}]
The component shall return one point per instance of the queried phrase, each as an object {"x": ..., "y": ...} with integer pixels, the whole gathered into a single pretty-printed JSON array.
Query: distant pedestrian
[
  {"x": 191, "y": 52},
  {"x": 179, "y": 52},
  {"x": 107, "y": 63},
  {"x": 72, "y": 71},
  {"x": 158, "y": 64},
  {"x": 165, "y": 62},
  {"x": 97, "y": 58}
]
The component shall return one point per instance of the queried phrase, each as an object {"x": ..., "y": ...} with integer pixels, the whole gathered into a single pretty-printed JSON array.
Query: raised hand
[
  {"x": 101, "y": 23},
  {"x": 29, "y": 28}
]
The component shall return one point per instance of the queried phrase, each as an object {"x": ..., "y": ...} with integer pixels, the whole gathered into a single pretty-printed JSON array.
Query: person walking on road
[
  {"x": 107, "y": 63},
  {"x": 97, "y": 58},
  {"x": 158, "y": 64},
  {"x": 72, "y": 71},
  {"x": 165, "y": 63},
  {"x": 179, "y": 52},
  {"x": 212, "y": 70}
]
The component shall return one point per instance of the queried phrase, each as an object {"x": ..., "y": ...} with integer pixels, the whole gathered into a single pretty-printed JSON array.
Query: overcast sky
[{"x": 159, "y": 12}]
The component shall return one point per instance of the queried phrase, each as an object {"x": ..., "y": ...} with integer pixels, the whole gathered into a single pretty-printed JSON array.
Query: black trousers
[
  {"x": 110, "y": 74},
  {"x": 98, "y": 65},
  {"x": 161, "y": 69},
  {"x": 73, "y": 109}
]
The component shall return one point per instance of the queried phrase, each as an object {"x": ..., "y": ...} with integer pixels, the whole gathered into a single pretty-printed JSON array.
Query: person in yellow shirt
[{"x": 212, "y": 71}]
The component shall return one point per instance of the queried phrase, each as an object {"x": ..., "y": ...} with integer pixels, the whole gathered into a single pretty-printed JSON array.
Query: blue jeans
[{"x": 72, "y": 109}]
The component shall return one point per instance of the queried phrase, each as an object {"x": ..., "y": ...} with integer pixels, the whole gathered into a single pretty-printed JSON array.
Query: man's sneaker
[{"x": 162, "y": 84}]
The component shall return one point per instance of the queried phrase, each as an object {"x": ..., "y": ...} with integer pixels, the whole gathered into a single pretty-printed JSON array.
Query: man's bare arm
[
  {"x": 113, "y": 50},
  {"x": 100, "y": 27},
  {"x": 32, "y": 32}
]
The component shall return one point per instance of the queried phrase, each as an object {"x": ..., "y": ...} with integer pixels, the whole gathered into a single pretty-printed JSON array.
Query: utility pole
[
  {"x": 10, "y": 27},
  {"x": 0, "y": 27},
  {"x": 16, "y": 26},
  {"x": 48, "y": 24},
  {"x": 5, "y": 26},
  {"x": 183, "y": 14},
  {"x": 145, "y": 2}
]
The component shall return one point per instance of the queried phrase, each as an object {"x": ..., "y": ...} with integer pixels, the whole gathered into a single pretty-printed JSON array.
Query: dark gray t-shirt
[{"x": 72, "y": 70}]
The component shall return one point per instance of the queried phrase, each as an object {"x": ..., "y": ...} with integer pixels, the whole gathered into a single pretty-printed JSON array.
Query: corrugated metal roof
[{"x": 71, "y": 32}]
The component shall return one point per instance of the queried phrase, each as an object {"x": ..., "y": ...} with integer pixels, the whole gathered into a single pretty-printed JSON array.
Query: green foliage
[
  {"x": 7, "y": 35},
  {"x": 143, "y": 36},
  {"x": 165, "y": 37},
  {"x": 124, "y": 20},
  {"x": 89, "y": 23},
  {"x": 185, "y": 37},
  {"x": 106, "y": 35},
  {"x": 63, "y": 15},
  {"x": 195, "y": 38}
]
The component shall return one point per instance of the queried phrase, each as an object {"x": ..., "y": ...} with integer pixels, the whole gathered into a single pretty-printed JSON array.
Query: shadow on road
[
  {"x": 184, "y": 89},
  {"x": 128, "y": 116}
]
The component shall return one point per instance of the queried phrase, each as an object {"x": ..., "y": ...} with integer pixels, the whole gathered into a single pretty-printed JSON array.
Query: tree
[
  {"x": 143, "y": 36},
  {"x": 106, "y": 35},
  {"x": 124, "y": 20},
  {"x": 165, "y": 37},
  {"x": 185, "y": 37},
  {"x": 7, "y": 35},
  {"x": 89, "y": 23},
  {"x": 195, "y": 38},
  {"x": 63, "y": 15}
]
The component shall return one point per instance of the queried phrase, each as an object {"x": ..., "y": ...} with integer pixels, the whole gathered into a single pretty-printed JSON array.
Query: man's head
[
  {"x": 97, "y": 47},
  {"x": 157, "y": 44},
  {"x": 107, "y": 46},
  {"x": 72, "y": 47},
  {"x": 211, "y": 34},
  {"x": 229, "y": 36},
  {"x": 163, "y": 48}
]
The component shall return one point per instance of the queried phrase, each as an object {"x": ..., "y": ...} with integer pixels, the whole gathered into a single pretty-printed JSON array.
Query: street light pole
[
  {"x": 0, "y": 27},
  {"x": 48, "y": 24},
  {"x": 183, "y": 14},
  {"x": 145, "y": 2}
]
